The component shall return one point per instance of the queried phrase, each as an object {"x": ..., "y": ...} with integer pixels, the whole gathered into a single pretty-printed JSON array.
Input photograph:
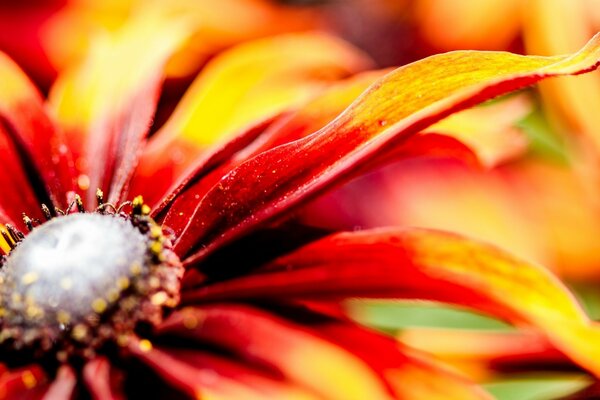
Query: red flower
[{"x": 92, "y": 301}]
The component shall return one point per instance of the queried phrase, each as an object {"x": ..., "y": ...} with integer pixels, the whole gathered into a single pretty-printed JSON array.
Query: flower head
[{"x": 95, "y": 299}]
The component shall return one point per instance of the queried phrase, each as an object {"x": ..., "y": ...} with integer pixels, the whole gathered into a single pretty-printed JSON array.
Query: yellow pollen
[
  {"x": 16, "y": 298},
  {"x": 63, "y": 317},
  {"x": 138, "y": 201},
  {"x": 136, "y": 269},
  {"x": 28, "y": 379},
  {"x": 79, "y": 332},
  {"x": 112, "y": 295},
  {"x": 29, "y": 278},
  {"x": 34, "y": 312},
  {"x": 99, "y": 305},
  {"x": 156, "y": 247},
  {"x": 155, "y": 231},
  {"x": 145, "y": 345},
  {"x": 123, "y": 282},
  {"x": 146, "y": 209}
]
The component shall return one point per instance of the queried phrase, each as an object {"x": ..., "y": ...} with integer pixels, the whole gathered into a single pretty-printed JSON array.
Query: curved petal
[
  {"x": 204, "y": 375},
  {"x": 98, "y": 378},
  {"x": 402, "y": 103},
  {"x": 490, "y": 129},
  {"x": 480, "y": 353},
  {"x": 36, "y": 146},
  {"x": 264, "y": 340},
  {"x": 63, "y": 385},
  {"x": 120, "y": 82},
  {"x": 426, "y": 265},
  {"x": 238, "y": 90}
]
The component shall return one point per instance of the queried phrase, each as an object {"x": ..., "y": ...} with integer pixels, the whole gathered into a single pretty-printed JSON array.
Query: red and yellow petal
[
  {"x": 403, "y": 103},
  {"x": 107, "y": 103},
  {"x": 313, "y": 359},
  {"x": 209, "y": 376},
  {"x": 238, "y": 90},
  {"x": 427, "y": 265},
  {"x": 24, "y": 383},
  {"x": 30, "y": 141},
  {"x": 101, "y": 380}
]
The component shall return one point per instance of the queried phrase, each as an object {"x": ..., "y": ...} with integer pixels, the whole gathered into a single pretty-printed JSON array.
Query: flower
[{"x": 93, "y": 300}]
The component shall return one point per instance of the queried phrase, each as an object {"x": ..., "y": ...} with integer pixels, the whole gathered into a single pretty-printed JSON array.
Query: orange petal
[
  {"x": 106, "y": 104},
  {"x": 465, "y": 24},
  {"x": 66, "y": 36},
  {"x": 430, "y": 265},
  {"x": 558, "y": 27},
  {"x": 242, "y": 88},
  {"x": 490, "y": 129},
  {"x": 336, "y": 362},
  {"x": 402, "y": 103},
  {"x": 480, "y": 354}
]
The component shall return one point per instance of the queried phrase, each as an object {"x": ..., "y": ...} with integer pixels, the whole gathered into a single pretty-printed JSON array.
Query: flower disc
[{"x": 85, "y": 278}]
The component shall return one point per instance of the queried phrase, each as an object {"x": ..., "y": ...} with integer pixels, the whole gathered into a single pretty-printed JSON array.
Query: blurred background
[{"x": 536, "y": 194}]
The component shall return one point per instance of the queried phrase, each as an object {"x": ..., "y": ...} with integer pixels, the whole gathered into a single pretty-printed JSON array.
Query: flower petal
[
  {"x": 63, "y": 385},
  {"x": 32, "y": 147},
  {"x": 425, "y": 265},
  {"x": 323, "y": 354},
  {"x": 490, "y": 129},
  {"x": 120, "y": 81},
  {"x": 24, "y": 383},
  {"x": 270, "y": 76},
  {"x": 263, "y": 339},
  {"x": 293, "y": 125},
  {"x": 480, "y": 353},
  {"x": 97, "y": 378},
  {"x": 203, "y": 375},
  {"x": 402, "y": 103}
]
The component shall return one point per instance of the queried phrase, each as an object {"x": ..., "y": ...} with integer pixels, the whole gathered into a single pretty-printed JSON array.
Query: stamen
[
  {"x": 14, "y": 233},
  {"x": 99, "y": 197},
  {"x": 46, "y": 212},
  {"x": 79, "y": 203},
  {"x": 28, "y": 222}
]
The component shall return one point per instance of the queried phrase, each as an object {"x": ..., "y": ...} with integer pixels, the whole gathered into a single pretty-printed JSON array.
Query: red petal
[
  {"x": 204, "y": 375},
  {"x": 313, "y": 359},
  {"x": 63, "y": 385},
  {"x": 425, "y": 265},
  {"x": 291, "y": 126},
  {"x": 487, "y": 350},
  {"x": 271, "y": 76},
  {"x": 34, "y": 140},
  {"x": 403, "y": 103},
  {"x": 265, "y": 340},
  {"x": 25, "y": 383},
  {"x": 98, "y": 377}
]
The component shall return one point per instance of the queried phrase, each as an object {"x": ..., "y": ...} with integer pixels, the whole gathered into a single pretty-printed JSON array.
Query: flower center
[{"x": 81, "y": 280}]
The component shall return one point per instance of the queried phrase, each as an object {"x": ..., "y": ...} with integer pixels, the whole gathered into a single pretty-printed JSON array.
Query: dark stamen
[
  {"x": 46, "y": 212},
  {"x": 28, "y": 222},
  {"x": 7, "y": 239},
  {"x": 79, "y": 203},
  {"x": 99, "y": 197},
  {"x": 14, "y": 233}
]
